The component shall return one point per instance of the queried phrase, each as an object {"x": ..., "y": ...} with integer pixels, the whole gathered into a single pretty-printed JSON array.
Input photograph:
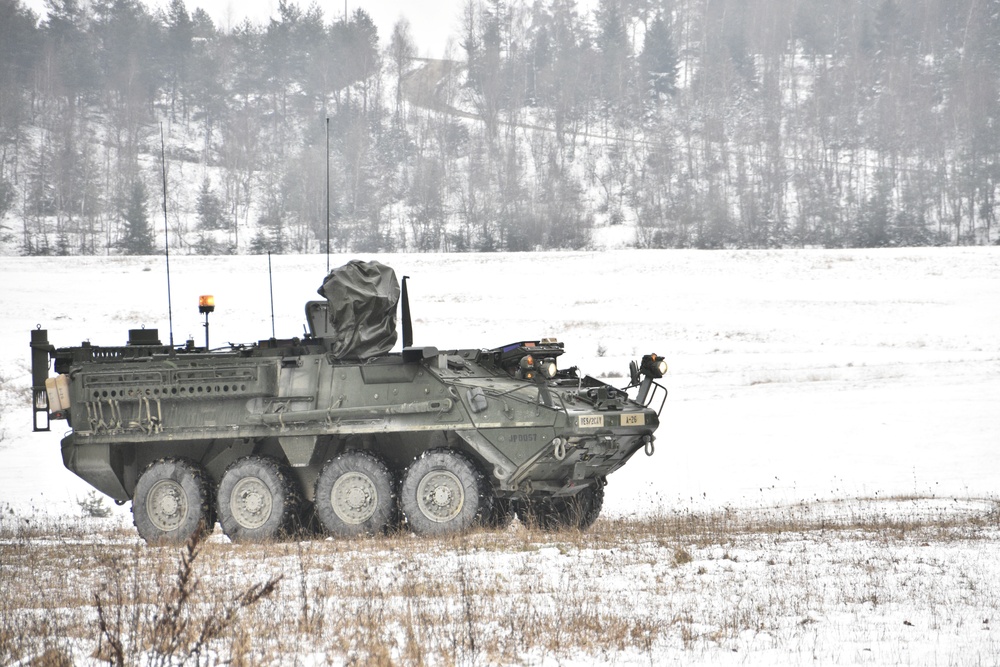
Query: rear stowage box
[{"x": 57, "y": 389}]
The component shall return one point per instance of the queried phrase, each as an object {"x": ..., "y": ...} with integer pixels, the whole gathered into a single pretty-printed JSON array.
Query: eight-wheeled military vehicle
[{"x": 253, "y": 436}]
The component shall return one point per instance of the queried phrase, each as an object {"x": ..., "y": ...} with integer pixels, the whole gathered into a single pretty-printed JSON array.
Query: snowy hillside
[{"x": 538, "y": 125}]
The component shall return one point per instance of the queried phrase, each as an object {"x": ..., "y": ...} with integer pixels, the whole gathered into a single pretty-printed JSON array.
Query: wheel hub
[
  {"x": 354, "y": 498},
  {"x": 251, "y": 502},
  {"x": 440, "y": 496},
  {"x": 167, "y": 505},
  {"x": 357, "y": 498}
]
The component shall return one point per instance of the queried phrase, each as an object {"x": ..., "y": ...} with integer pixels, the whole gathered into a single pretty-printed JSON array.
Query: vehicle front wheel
[
  {"x": 579, "y": 511},
  {"x": 258, "y": 500},
  {"x": 354, "y": 495},
  {"x": 172, "y": 502},
  {"x": 442, "y": 493},
  {"x": 501, "y": 515}
]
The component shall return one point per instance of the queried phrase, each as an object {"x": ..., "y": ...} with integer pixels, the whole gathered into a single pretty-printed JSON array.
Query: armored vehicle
[{"x": 337, "y": 425}]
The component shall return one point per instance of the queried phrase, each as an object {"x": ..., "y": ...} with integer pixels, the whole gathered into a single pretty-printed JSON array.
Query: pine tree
[
  {"x": 659, "y": 59},
  {"x": 402, "y": 50},
  {"x": 7, "y": 194},
  {"x": 615, "y": 51},
  {"x": 138, "y": 237},
  {"x": 209, "y": 208},
  {"x": 178, "y": 44}
]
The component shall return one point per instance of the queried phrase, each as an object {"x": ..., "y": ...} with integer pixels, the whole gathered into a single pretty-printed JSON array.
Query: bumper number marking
[{"x": 638, "y": 419}]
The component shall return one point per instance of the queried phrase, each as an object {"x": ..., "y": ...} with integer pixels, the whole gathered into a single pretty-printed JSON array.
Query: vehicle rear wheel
[
  {"x": 579, "y": 511},
  {"x": 257, "y": 500},
  {"x": 172, "y": 502},
  {"x": 354, "y": 495},
  {"x": 442, "y": 493}
]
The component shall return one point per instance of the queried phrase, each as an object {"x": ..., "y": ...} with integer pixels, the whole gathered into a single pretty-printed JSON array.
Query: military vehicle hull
[{"x": 251, "y": 436}]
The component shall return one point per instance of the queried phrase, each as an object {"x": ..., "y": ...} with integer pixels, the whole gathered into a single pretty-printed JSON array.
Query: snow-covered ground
[
  {"x": 807, "y": 387},
  {"x": 794, "y": 375}
]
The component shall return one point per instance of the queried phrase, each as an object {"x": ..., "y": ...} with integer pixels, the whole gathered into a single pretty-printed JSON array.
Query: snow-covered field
[
  {"x": 795, "y": 375},
  {"x": 805, "y": 385}
]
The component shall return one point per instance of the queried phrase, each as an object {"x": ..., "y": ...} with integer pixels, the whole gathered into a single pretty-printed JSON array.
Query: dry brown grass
[{"x": 682, "y": 582}]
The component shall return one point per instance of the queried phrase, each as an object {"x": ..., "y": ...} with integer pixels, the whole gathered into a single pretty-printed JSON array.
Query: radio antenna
[
  {"x": 166, "y": 237},
  {"x": 270, "y": 280},
  {"x": 328, "y": 184}
]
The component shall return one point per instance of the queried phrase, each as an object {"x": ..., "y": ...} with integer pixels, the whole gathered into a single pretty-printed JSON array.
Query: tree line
[{"x": 666, "y": 123}]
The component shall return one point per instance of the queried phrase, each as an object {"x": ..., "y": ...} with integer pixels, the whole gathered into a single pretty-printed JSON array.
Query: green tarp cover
[{"x": 362, "y": 298}]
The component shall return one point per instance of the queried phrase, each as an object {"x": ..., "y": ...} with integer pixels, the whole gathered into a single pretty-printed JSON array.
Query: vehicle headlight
[
  {"x": 653, "y": 366},
  {"x": 532, "y": 368},
  {"x": 526, "y": 369}
]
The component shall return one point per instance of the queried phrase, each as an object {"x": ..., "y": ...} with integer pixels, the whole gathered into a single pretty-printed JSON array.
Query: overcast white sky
[{"x": 431, "y": 21}]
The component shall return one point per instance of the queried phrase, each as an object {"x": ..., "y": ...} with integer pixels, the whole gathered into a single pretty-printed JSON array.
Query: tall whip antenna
[
  {"x": 328, "y": 191},
  {"x": 270, "y": 280},
  {"x": 166, "y": 236}
]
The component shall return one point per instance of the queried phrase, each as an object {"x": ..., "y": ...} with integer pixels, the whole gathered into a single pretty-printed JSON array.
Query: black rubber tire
[
  {"x": 186, "y": 488},
  {"x": 267, "y": 500},
  {"x": 370, "y": 502},
  {"x": 538, "y": 514},
  {"x": 454, "y": 497},
  {"x": 577, "y": 512},
  {"x": 590, "y": 506},
  {"x": 501, "y": 514}
]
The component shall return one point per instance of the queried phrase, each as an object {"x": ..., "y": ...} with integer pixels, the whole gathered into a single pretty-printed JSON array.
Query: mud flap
[{"x": 98, "y": 465}]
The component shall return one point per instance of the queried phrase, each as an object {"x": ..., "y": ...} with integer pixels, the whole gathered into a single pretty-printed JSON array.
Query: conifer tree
[
  {"x": 209, "y": 208},
  {"x": 138, "y": 236},
  {"x": 659, "y": 59}
]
